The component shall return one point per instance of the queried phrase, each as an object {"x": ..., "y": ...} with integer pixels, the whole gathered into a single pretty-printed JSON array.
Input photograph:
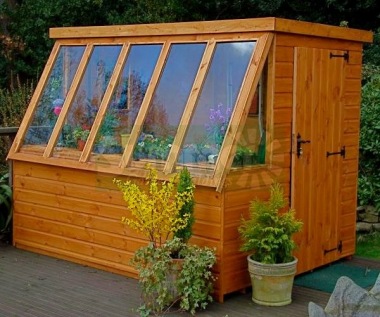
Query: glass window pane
[
  {"x": 251, "y": 144},
  {"x": 88, "y": 97},
  {"x": 169, "y": 101},
  {"x": 127, "y": 99},
  {"x": 216, "y": 103},
  {"x": 53, "y": 95}
]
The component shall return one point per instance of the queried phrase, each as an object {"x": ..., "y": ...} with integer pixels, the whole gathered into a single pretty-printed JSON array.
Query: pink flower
[{"x": 57, "y": 110}]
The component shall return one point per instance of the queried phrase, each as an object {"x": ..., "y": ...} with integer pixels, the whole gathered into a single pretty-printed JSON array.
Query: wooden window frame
[{"x": 214, "y": 175}]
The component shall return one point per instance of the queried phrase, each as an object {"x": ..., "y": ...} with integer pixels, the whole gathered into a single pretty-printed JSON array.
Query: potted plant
[
  {"x": 158, "y": 213},
  {"x": 108, "y": 145},
  {"x": 151, "y": 147},
  {"x": 244, "y": 156},
  {"x": 80, "y": 134},
  {"x": 124, "y": 137},
  {"x": 268, "y": 232}
]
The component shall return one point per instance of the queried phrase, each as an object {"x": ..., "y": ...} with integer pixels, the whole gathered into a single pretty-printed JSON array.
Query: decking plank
[{"x": 35, "y": 285}]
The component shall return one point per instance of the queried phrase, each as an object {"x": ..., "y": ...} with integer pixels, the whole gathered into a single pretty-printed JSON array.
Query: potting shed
[{"x": 241, "y": 103}]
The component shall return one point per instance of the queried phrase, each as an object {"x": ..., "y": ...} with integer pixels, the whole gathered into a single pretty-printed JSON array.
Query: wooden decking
[{"x": 33, "y": 285}]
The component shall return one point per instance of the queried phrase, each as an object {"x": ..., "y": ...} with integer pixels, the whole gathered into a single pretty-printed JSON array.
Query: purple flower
[
  {"x": 219, "y": 119},
  {"x": 58, "y": 102}
]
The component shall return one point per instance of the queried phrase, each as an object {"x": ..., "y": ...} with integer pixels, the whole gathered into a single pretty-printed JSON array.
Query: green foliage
[
  {"x": 185, "y": 183},
  {"x": 268, "y": 232},
  {"x": 195, "y": 282},
  {"x": 5, "y": 204},
  {"x": 29, "y": 25},
  {"x": 153, "y": 147},
  {"x": 109, "y": 124},
  {"x": 369, "y": 161},
  {"x": 244, "y": 156},
  {"x": 164, "y": 284},
  {"x": 368, "y": 245},
  {"x": 368, "y": 72},
  {"x": 331, "y": 11},
  {"x": 81, "y": 134},
  {"x": 108, "y": 141},
  {"x": 153, "y": 264},
  {"x": 371, "y": 54},
  {"x": 27, "y": 45},
  {"x": 147, "y": 11},
  {"x": 68, "y": 136},
  {"x": 13, "y": 104}
]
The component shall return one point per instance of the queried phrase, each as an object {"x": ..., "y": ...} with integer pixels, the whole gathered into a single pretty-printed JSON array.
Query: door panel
[{"x": 316, "y": 177}]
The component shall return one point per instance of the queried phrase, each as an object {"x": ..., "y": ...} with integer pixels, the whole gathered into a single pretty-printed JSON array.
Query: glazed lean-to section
[{"x": 124, "y": 104}]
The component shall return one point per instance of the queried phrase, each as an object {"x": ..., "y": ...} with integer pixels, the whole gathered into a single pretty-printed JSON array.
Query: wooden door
[{"x": 316, "y": 154}]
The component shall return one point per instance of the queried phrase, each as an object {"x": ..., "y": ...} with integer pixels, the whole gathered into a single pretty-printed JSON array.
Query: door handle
[{"x": 300, "y": 141}]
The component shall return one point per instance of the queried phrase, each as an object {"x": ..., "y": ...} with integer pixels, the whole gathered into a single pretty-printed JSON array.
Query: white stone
[
  {"x": 376, "y": 226},
  {"x": 375, "y": 290},
  {"x": 349, "y": 300},
  {"x": 364, "y": 227}
]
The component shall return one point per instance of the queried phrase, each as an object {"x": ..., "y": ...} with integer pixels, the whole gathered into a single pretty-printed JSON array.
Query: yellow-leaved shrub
[{"x": 155, "y": 211}]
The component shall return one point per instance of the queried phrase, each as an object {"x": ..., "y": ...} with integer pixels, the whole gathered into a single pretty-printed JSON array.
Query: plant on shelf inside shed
[
  {"x": 268, "y": 232},
  {"x": 81, "y": 134},
  {"x": 163, "y": 213}
]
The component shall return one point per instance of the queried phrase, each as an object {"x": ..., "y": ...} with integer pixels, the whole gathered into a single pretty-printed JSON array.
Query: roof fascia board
[{"x": 215, "y": 27}]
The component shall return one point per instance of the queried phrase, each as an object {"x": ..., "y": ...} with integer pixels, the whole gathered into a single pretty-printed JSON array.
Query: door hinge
[
  {"x": 339, "y": 248},
  {"x": 346, "y": 56}
]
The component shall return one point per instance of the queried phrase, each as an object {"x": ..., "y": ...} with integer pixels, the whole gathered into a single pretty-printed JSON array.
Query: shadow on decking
[{"x": 38, "y": 285}]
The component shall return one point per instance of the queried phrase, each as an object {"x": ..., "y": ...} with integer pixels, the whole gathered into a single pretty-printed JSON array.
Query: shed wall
[
  {"x": 244, "y": 186},
  {"x": 76, "y": 215}
]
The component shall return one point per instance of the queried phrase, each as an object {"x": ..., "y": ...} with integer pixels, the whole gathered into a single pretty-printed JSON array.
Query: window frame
[{"x": 214, "y": 176}]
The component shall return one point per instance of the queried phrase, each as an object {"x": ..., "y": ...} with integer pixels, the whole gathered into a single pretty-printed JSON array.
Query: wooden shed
[{"x": 241, "y": 103}]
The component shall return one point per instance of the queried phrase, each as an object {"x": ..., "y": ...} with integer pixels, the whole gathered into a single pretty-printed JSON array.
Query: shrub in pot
[
  {"x": 159, "y": 213},
  {"x": 268, "y": 233},
  {"x": 192, "y": 279},
  {"x": 80, "y": 135}
]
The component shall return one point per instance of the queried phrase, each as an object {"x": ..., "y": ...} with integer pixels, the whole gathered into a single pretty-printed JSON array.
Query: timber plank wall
[
  {"x": 244, "y": 186},
  {"x": 76, "y": 215}
]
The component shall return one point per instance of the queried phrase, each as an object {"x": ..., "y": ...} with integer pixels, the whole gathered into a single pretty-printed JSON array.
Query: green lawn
[{"x": 368, "y": 245}]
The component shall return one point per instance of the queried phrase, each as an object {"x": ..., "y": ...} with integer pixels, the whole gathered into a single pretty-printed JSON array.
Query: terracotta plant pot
[{"x": 81, "y": 144}]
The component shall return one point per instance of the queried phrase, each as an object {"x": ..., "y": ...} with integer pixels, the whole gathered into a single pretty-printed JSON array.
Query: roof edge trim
[
  {"x": 269, "y": 24},
  {"x": 323, "y": 30}
]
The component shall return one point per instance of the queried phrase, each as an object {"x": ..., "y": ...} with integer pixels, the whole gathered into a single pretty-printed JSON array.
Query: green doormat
[{"x": 324, "y": 279}]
